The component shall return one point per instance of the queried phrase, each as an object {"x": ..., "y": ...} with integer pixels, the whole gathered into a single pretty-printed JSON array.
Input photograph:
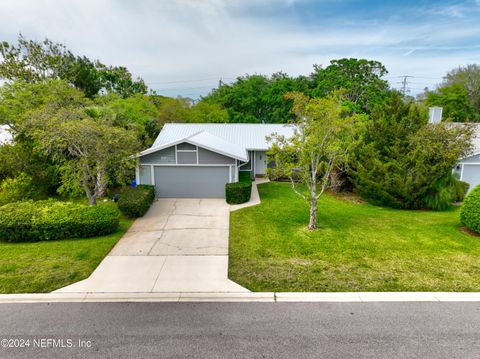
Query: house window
[
  {"x": 247, "y": 166},
  {"x": 186, "y": 147},
  {"x": 187, "y": 154},
  {"x": 187, "y": 158}
]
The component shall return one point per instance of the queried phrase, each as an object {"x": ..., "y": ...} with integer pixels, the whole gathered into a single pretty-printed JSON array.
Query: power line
[
  {"x": 183, "y": 81},
  {"x": 185, "y": 88},
  {"x": 186, "y": 81}
]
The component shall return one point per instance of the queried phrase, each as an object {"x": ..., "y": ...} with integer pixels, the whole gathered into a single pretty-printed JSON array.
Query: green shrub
[
  {"x": 51, "y": 220},
  {"x": 470, "y": 212},
  {"x": 244, "y": 176},
  {"x": 461, "y": 189},
  {"x": 18, "y": 189},
  {"x": 402, "y": 161},
  {"x": 135, "y": 202},
  {"x": 442, "y": 193},
  {"x": 238, "y": 192}
]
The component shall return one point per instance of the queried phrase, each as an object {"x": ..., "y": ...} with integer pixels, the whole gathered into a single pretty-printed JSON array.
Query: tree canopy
[
  {"x": 34, "y": 61},
  {"x": 70, "y": 142},
  {"x": 257, "y": 98},
  {"x": 403, "y": 162},
  {"x": 261, "y": 99},
  {"x": 455, "y": 102},
  {"x": 91, "y": 152},
  {"x": 183, "y": 109},
  {"x": 360, "y": 79},
  {"x": 469, "y": 77}
]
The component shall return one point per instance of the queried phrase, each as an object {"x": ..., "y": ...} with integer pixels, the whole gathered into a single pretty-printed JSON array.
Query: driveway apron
[{"x": 180, "y": 245}]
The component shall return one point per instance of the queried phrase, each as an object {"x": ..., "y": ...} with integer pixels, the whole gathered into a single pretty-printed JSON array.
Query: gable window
[
  {"x": 187, "y": 154},
  {"x": 186, "y": 147}
]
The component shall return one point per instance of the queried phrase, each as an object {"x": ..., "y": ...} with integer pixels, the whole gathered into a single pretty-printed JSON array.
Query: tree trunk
[
  {"x": 313, "y": 211},
  {"x": 92, "y": 200},
  {"x": 100, "y": 183}
]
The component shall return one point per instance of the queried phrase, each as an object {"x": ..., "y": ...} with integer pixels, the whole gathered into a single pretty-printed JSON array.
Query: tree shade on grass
[
  {"x": 46, "y": 266},
  {"x": 357, "y": 247}
]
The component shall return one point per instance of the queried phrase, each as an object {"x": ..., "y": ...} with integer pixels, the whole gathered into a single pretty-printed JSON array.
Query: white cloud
[{"x": 168, "y": 41}]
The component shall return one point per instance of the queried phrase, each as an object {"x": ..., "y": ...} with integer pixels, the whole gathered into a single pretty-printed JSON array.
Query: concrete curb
[{"x": 271, "y": 297}]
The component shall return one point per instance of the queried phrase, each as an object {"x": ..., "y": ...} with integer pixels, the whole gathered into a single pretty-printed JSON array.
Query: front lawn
[
  {"x": 49, "y": 265},
  {"x": 358, "y": 247}
]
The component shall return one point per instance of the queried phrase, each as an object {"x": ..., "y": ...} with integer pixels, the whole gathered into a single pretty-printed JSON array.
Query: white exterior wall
[{"x": 468, "y": 170}]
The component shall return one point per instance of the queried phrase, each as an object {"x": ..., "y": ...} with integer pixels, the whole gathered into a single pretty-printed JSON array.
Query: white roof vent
[{"x": 435, "y": 114}]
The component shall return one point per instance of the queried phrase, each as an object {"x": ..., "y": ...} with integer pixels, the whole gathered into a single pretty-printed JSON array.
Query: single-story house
[
  {"x": 194, "y": 160},
  {"x": 468, "y": 168}
]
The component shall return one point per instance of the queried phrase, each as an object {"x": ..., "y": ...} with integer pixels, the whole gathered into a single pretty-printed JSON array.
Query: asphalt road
[{"x": 242, "y": 330}]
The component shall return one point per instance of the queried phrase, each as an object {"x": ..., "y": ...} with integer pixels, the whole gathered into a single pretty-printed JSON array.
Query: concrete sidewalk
[
  {"x": 254, "y": 197},
  {"x": 180, "y": 245},
  {"x": 277, "y": 297}
]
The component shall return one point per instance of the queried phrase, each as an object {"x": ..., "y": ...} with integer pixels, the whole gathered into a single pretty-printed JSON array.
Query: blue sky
[{"x": 184, "y": 47}]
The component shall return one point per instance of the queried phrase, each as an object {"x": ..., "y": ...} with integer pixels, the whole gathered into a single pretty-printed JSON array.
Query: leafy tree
[
  {"x": 19, "y": 100},
  {"x": 204, "y": 112},
  {"x": 183, "y": 109},
  {"x": 403, "y": 162},
  {"x": 323, "y": 137},
  {"x": 34, "y": 62},
  {"x": 59, "y": 132},
  {"x": 118, "y": 79},
  {"x": 21, "y": 159},
  {"x": 20, "y": 188},
  {"x": 258, "y": 98},
  {"x": 360, "y": 79},
  {"x": 469, "y": 77},
  {"x": 137, "y": 113},
  {"x": 455, "y": 102},
  {"x": 84, "y": 75},
  {"x": 92, "y": 153},
  {"x": 173, "y": 110}
]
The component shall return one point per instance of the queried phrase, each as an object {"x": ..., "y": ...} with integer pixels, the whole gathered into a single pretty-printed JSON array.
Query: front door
[{"x": 260, "y": 163}]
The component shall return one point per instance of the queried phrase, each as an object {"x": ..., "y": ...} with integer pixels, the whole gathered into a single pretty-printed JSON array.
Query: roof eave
[{"x": 176, "y": 142}]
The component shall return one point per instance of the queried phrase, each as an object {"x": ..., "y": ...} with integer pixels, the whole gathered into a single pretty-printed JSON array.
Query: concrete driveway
[{"x": 180, "y": 245}]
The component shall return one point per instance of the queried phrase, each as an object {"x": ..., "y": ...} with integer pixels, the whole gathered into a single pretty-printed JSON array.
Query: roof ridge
[{"x": 194, "y": 134}]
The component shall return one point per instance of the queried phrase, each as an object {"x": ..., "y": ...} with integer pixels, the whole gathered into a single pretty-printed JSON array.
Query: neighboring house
[
  {"x": 197, "y": 160},
  {"x": 468, "y": 168}
]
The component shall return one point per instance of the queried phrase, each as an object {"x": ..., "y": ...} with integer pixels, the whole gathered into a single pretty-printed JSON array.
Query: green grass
[
  {"x": 45, "y": 266},
  {"x": 358, "y": 247}
]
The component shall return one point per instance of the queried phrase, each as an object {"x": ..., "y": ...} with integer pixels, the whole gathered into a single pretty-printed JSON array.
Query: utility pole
[{"x": 404, "y": 84}]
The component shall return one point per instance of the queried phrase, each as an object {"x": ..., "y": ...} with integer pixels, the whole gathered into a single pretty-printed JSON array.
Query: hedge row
[
  {"x": 238, "y": 192},
  {"x": 470, "y": 212},
  {"x": 50, "y": 220},
  {"x": 135, "y": 202}
]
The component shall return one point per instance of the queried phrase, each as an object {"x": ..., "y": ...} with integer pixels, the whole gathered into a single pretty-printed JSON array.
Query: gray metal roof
[
  {"x": 205, "y": 140},
  {"x": 248, "y": 136}
]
